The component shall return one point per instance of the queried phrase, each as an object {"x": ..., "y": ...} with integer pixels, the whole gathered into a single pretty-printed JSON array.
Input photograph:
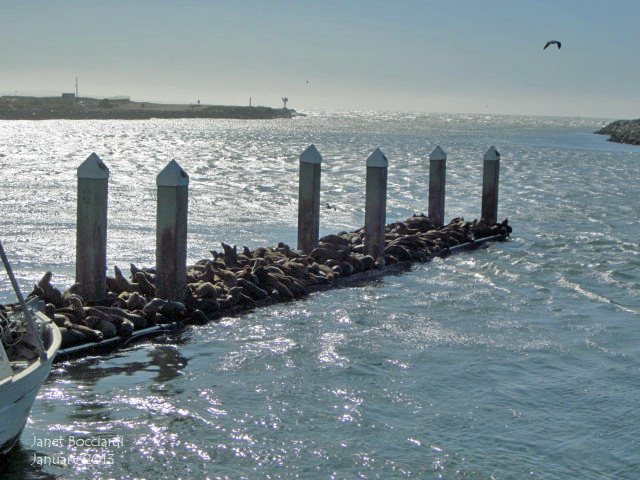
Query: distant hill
[
  {"x": 623, "y": 131},
  {"x": 83, "y": 108}
]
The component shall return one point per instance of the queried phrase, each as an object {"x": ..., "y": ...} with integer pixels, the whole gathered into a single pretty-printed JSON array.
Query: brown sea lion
[
  {"x": 205, "y": 290},
  {"x": 230, "y": 256},
  {"x": 252, "y": 289},
  {"x": 50, "y": 294},
  {"x": 138, "y": 321},
  {"x": 107, "y": 328}
]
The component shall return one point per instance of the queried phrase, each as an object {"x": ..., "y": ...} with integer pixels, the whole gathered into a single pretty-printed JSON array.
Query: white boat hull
[{"x": 18, "y": 392}]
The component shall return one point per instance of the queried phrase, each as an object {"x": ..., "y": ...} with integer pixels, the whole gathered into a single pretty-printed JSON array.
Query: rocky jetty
[
  {"x": 235, "y": 280},
  {"x": 56, "y": 108},
  {"x": 623, "y": 131}
]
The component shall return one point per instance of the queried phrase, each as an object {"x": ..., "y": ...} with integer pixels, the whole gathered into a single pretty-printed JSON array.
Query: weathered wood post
[
  {"x": 309, "y": 199},
  {"x": 171, "y": 232},
  {"x": 375, "y": 214},
  {"x": 437, "y": 181},
  {"x": 91, "y": 229},
  {"x": 490, "y": 176}
]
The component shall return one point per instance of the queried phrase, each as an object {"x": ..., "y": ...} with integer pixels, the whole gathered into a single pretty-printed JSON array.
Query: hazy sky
[{"x": 423, "y": 55}]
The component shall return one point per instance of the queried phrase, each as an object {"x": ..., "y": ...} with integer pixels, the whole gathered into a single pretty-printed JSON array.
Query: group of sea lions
[{"x": 234, "y": 280}]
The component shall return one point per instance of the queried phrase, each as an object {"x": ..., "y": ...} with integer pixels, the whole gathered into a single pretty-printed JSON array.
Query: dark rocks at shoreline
[
  {"x": 623, "y": 131},
  {"x": 236, "y": 280}
]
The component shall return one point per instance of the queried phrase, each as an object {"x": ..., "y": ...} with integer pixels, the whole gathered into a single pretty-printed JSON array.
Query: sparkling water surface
[{"x": 520, "y": 360}]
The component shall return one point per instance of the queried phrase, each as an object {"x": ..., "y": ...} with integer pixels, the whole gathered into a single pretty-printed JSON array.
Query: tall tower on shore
[
  {"x": 76, "y": 87},
  {"x": 285, "y": 100}
]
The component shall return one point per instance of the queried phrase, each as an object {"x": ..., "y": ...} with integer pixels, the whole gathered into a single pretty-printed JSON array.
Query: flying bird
[{"x": 553, "y": 42}]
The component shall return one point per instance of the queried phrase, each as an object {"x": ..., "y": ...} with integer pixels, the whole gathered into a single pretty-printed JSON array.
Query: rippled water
[{"x": 517, "y": 361}]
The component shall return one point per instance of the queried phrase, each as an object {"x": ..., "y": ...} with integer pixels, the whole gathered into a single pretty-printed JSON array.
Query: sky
[{"x": 456, "y": 56}]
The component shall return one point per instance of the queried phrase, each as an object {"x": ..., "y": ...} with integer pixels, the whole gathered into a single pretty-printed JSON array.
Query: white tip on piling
[
  {"x": 438, "y": 154},
  {"x": 172, "y": 176},
  {"x": 377, "y": 159},
  {"x": 492, "y": 154},
  {"x": 311, "y": 155},
  {"x": 93, "y": 167}
]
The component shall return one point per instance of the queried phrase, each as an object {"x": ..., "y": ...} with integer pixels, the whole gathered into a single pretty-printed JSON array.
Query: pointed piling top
[
  {"x": 93, "y": 167},
  {"x": 377, "y": 159},
  {"x": 438, "y": 154},
  {"x": 492, "y": 154},
  {"x": 311, "y": 155},
  {"x": 172, "y": 176}
]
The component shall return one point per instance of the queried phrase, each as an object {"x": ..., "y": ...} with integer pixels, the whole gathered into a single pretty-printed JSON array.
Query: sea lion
[
  {"x": 197, "y": 317},
  {"x": 419, "y": 256},
  {"x": 336, "y": 239},
  {"x": 135, "y": 302},
  {"x": 71, "y": 337},
  {"x": 122, "y": 283},
  {"x": 205, "y": 290},
  {"x": 230, "y": 255},
  {"x": 208, "y": 305},
  {"x": 227, "y": 276},
  {"x": 90, "y": 334},
  {"x": 259, "y": 252},
  {"x": 174, "y": 310},
  {"x": 275, "y": 284},
  {"x": 398, "y": 252},
  {"x": 124, "y": 326},
  {"x": 294, "y": 285},
  {"x": 134, "y": 269},
  {"x": 138, "y": 321},
  {"x": 367, "y": 261},
  {"x": 347, "y": 269},
  {"x": 420, "y": 223},
  {"x": 73, "y": 315},
  {"x": 143, "y": 284},
  {"x": 76, "y": 304},
  {"x": 49, "y": 310},
  {"x": 321, "y": 255},
  {"x": 61, "y": 320},
  {"x": 354, "y": 260},
  {"x": 50, "y": 294},
  {"x": 252, "y": 289},
  {"x": 154, "y": 306}
]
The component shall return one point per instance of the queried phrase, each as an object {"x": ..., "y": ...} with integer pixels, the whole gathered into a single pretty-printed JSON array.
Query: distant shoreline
[{"x": 84, "y": 108}]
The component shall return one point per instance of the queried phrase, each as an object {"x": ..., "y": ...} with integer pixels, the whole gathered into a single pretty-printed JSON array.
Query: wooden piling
[
  {"x": 376, "y": 204},
  {"x": 91, "y": 229},
  {"x": 437, "y": 181},
  {"x": 309, "y": 199},
  {"x": 490, "y": 177},
  {"x": 171, "y": 232}
]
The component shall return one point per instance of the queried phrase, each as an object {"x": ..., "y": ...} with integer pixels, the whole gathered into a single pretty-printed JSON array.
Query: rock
[{"x": 623, "y": 131}]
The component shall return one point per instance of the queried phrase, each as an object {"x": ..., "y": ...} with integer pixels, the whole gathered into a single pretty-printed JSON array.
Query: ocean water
[{"x": 520, "y": 360}]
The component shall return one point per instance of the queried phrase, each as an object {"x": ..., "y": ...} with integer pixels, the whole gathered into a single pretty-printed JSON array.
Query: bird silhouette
[{"x": 553, "y": 42}]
